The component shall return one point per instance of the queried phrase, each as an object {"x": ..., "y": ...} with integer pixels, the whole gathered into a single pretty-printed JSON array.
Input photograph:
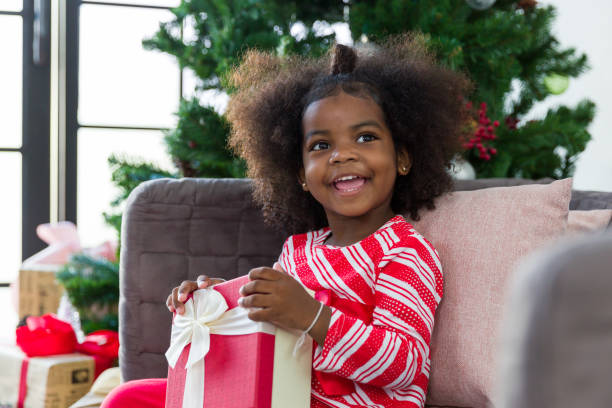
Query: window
[
  {"x": 76, "y": 86},
  {"x": 126, "y": 96}
]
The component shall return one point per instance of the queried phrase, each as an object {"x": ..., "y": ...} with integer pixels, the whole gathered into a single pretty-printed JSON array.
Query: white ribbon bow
[{"x": 207, "y": 313}]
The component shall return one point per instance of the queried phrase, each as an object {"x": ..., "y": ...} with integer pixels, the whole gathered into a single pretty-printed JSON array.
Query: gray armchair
[{"x": 174, "y": 230}]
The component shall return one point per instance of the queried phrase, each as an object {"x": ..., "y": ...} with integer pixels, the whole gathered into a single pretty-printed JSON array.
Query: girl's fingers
[
  {"x": 260, "y": 315},
  {"x": 204, "y": 281},
  {"x": 176, "y": 300},
  {"x": 176, "y": 304},
  {"x": 257, "y": 286},
  {"x": 169, "y": 303},
  {"x": 185, "y": 289},
  {"x": 256, "y": 300},
  {"x": 264, "y": 273}
]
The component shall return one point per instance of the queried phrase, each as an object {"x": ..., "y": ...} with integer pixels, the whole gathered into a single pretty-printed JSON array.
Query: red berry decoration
[
  {"x": 527, "y": 5},
  {"x": 192, "y": 144},
  {"x": 511, "y": 122},
  {"x": 483, "y": 133}
]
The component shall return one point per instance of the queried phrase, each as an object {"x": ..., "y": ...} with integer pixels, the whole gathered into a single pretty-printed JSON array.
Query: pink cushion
[
  {"x": 585, "y": 221},
  {"x": 480, "y": 235}
]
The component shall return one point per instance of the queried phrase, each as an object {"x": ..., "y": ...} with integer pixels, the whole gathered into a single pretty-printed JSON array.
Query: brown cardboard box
[
  {"x": 51, "y": 382},
  {"x": 39, "y": 292}
]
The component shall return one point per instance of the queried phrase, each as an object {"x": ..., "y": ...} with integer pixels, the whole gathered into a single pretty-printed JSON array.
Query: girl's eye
[
  {"x": 319, "y": 146},
  {"x": 366, "y": 137}
]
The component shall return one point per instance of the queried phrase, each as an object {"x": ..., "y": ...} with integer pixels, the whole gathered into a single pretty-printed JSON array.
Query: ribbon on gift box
[
  {"x": 103, "y": 346},
  {"x": 23, "y": 380},
  {"x": 205, "y": 314}
]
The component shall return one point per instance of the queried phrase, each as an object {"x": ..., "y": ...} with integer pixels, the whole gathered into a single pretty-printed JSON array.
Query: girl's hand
[
  {"x": 281, "y": 300},
  {"x": 176, "y": 299}
]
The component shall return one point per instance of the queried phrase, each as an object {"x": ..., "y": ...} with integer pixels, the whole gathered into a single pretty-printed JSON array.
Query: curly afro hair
[{"x": 422, "y": 103}]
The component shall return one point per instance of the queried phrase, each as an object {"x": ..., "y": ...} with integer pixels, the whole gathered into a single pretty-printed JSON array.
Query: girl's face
[{"x": 350, "y": 162}]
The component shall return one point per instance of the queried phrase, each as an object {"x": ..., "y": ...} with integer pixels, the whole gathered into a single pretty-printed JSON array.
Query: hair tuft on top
[
  {"x": 344, "y": 60},
  {"x": 422, "y": 103}
]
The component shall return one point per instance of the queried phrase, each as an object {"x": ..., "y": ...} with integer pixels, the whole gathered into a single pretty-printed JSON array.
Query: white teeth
[{"x": 346, "y": 178}]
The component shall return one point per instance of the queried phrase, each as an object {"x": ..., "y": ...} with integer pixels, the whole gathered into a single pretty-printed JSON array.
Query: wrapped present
[
  {"x": 218, "y": 357},
  {"x": 38, "y": 291},
  {"x": 36, "y": 382},
  {"x": 103, "y": 346},
  {"x": 47, "y": 335}
]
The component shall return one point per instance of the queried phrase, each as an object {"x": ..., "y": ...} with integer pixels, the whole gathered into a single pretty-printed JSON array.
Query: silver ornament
[
  {"x": 461, "y": 169},
  {"x": 480, "y": 4}
]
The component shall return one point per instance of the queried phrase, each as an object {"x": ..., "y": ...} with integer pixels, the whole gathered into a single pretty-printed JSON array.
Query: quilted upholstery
[{"x": 175, "y": 230}]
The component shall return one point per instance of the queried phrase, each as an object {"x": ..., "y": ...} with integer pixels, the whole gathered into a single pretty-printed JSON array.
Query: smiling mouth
[{"x": 349, "y": 184}]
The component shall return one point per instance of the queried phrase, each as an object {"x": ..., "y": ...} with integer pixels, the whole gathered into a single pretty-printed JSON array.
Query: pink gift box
[{"x": 241, "y": 371}]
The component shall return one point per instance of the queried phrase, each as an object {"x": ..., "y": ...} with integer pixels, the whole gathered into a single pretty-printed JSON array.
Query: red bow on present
[
  {"x": 333, "y": 384},
  {"x": 45, "y": 336},
  {"x": 103, "y": 346}
]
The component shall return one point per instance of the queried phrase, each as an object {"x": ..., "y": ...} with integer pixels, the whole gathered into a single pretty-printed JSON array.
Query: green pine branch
[
  {"x": 198, "y": 143},
  {"x": 127, "y": 174},
  {"x": 542, "y": 148},
  {"x": 92, "y": 285}
]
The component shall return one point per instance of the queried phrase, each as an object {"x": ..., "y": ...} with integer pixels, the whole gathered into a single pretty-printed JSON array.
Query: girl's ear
[
  {"x": 302, "y": 179},
  {"x": 403, "y": 162}
]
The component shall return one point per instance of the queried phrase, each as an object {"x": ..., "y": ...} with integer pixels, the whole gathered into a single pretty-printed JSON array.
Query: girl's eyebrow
[{"x": 353, "y": 127}]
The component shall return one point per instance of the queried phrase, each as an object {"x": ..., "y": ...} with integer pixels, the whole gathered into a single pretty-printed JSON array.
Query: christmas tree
[
  {"x": 502, "y": 45},
  {"x": 506, "y": 47}
]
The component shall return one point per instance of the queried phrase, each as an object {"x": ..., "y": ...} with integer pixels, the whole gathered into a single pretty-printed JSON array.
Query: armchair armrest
[
  {"x": 557, "y": 331},
  {"x": 175, "y": 230}
]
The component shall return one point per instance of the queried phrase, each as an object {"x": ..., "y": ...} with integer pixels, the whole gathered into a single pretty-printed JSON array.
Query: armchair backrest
[{"x": 175, "y": 230}]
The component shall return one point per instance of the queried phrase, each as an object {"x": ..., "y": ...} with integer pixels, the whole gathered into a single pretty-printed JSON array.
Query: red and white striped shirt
[{"x": 397, "y": 274}]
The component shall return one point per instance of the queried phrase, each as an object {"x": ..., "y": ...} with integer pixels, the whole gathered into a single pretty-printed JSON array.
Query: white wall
[{"x": 587, "y": 26}]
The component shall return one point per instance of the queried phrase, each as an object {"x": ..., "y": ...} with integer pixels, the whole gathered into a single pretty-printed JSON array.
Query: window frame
[
  {"x": 72, "y": 86},
  {"x": 35, "y": 143},
  {"x": 38, "y": 199}
]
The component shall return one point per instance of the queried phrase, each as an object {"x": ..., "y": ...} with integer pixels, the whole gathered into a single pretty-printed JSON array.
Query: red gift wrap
[
  {"x": 245, "y": 360},
  {"x": 239, "y": 369}
]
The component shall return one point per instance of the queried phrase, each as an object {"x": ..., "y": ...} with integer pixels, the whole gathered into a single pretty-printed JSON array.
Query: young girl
[{"x": 342, "y": 152}]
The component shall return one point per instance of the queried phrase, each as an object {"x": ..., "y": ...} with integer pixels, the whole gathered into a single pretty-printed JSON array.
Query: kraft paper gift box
[
  {"x": 39, "y": 291},
  {"x": 227, "y": 368},
  {"x": 37, "y": 382}
]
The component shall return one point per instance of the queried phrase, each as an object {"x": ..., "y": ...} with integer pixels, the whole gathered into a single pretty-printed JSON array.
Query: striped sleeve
[
  {"x": 285, "y": 259},
  {"x": 394, "y": 349}
]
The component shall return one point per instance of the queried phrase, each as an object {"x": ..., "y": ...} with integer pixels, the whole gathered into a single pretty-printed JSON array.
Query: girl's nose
[{"x": 343, "y": 153}]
